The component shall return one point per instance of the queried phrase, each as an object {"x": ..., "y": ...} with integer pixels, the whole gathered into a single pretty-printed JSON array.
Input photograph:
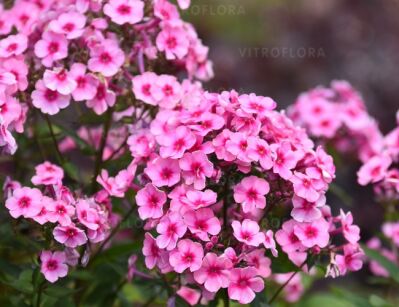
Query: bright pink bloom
[
  {"x": 269, "y": 243},
  {"x": 171, "y": 227},
  {"x": 214, "y": 272},
  {"x": 71, "y": 24},
  {"x": 53, "y": 265},
  {"x": 351, "y": 232},
  {"x": 250, "y": 193},
  {"x": 52, "y": 47},
  {"x": 61, "y": 212},
  {"x": 48, "y": 101},
  {"x": 287, "y": 238},
  {"x": 13, "y": 45},
  {"x": 308, "y": 186},
  {"x": 374, "y": 170},
  {"x": 391, "y": 231},
  {"x": 168, "y": 91},
  {"x": 163, "y": 172},
  {"x": 351, "y": 260},
  {"x": 305, "y": 211},
  {"x": 48, "y": 174},
  {"x": 124, "y": 11},
  {"x": 238, "y": 146},
  {"x": 145, "y": 88},
  {"x": 25, "y": 202},
  {"x": 243, "y": 285},
  {"x": 59, "y": 80},
  {"x": 200, "y": 199},
  {"x": 314, "y": 233},
  {"x": 256, "y": 104},
  {"x": 260, "y": 262},
  {"x": 103, "y": 99},
  {"x": 70, "y": 235},
  {"x": 248, "y": 232},
  {"x": 106, "y": 58},
  {"x": 151, "y": 251},
  {"x": 150, "y": 201},
  {"x": 196, "y": 167},
  {"x": 86, "y": 84},
  {"x": 175, "y": 144},
  {"x": 191, "y": 296},
  {"x": 202, "y": 222},
  {"x": 174, "y": 42},
  {"x": 187, "y": 255},
  {"x": 141, "y": 144},
  {"x": 87, "y": 214},
  {"x": 285, "y": 159},
  {"x": 259, "y": 150}
]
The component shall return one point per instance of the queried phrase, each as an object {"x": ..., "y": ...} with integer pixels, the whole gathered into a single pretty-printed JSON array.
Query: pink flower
[
  {"x": 70, "y": 235},
  {"x": 61, "y": 212},
  {"x": 308, "y": 186},
  {"x": 168, "y": 91},
  {"x": 191, "y": 296},
  {"x": 351, "y": 232},
  {"x": 71, "y": 24},
  {"x": 59, "y": 80},
  {"x": 171, "y": 227},
  {"x": 243, "y": 284},
  {"x": 305, "y": 211},
  {"x": 391, "y": 230},
  {"x": 314, "y": 233},
  {"x": 196, "y": 167},
  {"x": 260, "y": 262},
  {"x": 214, "y": 272},
  {"x": 48, "y": 174},
  {"x": 184, "y": 4},
  {"x": 86, "y": 84},
  {"x": 151, "y": 251},
  {"x": 248, "y": 232},
  {"x": 150, "y": 201},
  {"x": 250, "y": 192},
  {"x": 200, "y": 199},
  {"x": 25, "y": 202},
  {"x": 141, "y": 144},
  {"x": 374, "y": 170},
  {"x": 87, "y": 215},
  {"x": 145, "y": 88},
  {"x": 202, "y": 222},
  {"x": 103, "y": 99},
  {"x": 53, "y": 265},
  {"x": 13, "y": 45},
  {"x": 287, "y": 238},
  {"x": 256, "y": 104},
  {"x": 351, "y": 260},
  {"x": 106, "y": 58},
  {"x": 269, "y": 243},
  {"x": 163, "y": 172},
  {"x": 48, "y": 101},
  {"x": 124, "y": 11},
  {"x": 187, "y": 255},
  {"x": 175, "y": 144},
  {"x": 238, "y": 146},
  {"x": 259, "y": 150},
  {"x": 285, "y": 159},
  {"x": 52, "y": 47},
  {"x": 174, "y": 42}
]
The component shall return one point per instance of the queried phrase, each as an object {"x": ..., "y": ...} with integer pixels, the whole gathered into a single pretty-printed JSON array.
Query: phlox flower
[
  {"x": 214, "y": 272},
  {"x": 103, "y": 99},
  {"x": 59, "y": 80},
  {"x": 45, "y": 215},
  {"x": 207, "y": 122},
  {"x": 202, "y": 222},
  {"x": 106, "y": 58},
  {"x": 118, "y": 185},
  {"x": 168, "y": 91},
  {"x": 250, "y": 193},
  {"x": 171, "y": 227},
  {"x": 190, "y": 295},
  {"x": 25, "y": 202},
  {"x": 70, "y": 24},
  {"x": 53, "y": 265},
  {"x": 287, "y": 238},
  {"x": 309, "y": 185},
  {"x": 48, "y": 174},
  {"x": 243, "y": 284},
  {"x": 391, "y": 230},
  {"x": 269, "y": 243},
  {"x": 48, "y": 101},
  {"x": 145, "y": 88},
  {"x": 17, "y": 67},
  {"x": 260, "y": 262},
  {"x": 124, "y": 11},
  {"x": 52, "y": 47},
  {"x": 259, "y": 150},
  {"x": 313, "y": 233},
  {"x": 238, "y": 146},
  {"x": 141, "y": 144},
  {"x": 294, "y": 289},
  {"x": 351, "y": 232},
  {"x": 87, "y": 215},
  {"x": 70, "y": 236},
  {"x": 187, "y": 255},
  {"x": 305, "y": 211},
  {"x": 256, "y": 104},
  {"x": 351, "y": 260},
  {"x": 163, "y": 172},
  {"x": 13, "y": 45},
  {"x": 374, "y": 170},
  {"x": 61, "y": 212},
  {"x": 285, "y": 159},
  {"x": 196, "y": 168},
  {"x": 150, "y": 201},
  {"x": 175, "y": 144},
  {"x": 151, "y": 251},
  {"x": 248, "y": 232},
  {"x": 166, "y": 10},
  {"x": 200, "y": 199},
  {"x": 86, "y": 84},
  {"x": 174, "y": 42}
]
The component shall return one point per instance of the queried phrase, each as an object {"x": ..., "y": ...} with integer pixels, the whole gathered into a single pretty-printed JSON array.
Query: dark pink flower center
[
  {"x": 60, "y": 210},
  {"x": 171, "y": 42},
  {"x": 71, "y": 232},
  {"x": 52, "y": 265},
  {"x": 311, "y": 232},
  {"x": 252, "y": 194},
  {"x": 81, "y": 82},
  {"x": 166, "y": 173},
  {"x": 188, "y": 257},
  {"x": 24, "y": 202},
  {"x": 68, "y": 27},
  {"x": 50, "y": 95},
  {"x": 61, "y": 76},
  {"x": 105, "y": 58},
  {"x": 124, "y": 9},
  {"x": 12, "y": 47},
  {"x": 168, "y": 90},
  {"x": 146, "y": 89},
  {"x": 53, "y": 47}
]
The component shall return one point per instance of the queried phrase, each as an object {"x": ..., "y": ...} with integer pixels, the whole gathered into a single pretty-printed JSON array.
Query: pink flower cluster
[{"x": 214, "y": 170}]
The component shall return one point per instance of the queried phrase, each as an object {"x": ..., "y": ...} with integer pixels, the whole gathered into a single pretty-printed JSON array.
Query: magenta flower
[
  {"x": 259, "y": 150},
  {"x": 187, "y": 255},
  {"x": 70, "y": 235},
  {"x": 59, "y": 80},
  {"x": 285, "y": 159},
  {"x": 106, "y": 58},
  {"x": 191, "y": 296},
  {"x": 163, "y": 172},
  {"x": 25, "y": 202},
  {"x": 351, "y": 232},
  {"x": 70, "y": 24},
  {"x": 390, "y": 230},
  {"x": 86, "y": 84},
  {"x": 248, "y": 232},
  {"x": 314, "y": 233},
  {"x": 200, "y": 199},
  {"x": 214, "y": 272},
  {"x": 13, "y": 45},
  {"x": 103, "y": 99},
  {"x": 174, "y": 42},
  {"x": 87, "y": 214},
  {"x": 196, "y": 167},
  {"x": 168, "y": 91},
  {"x": 287, "y": 238},
  {"x": 151, "y": 251},
  {"x": 171, "y": 227},
  {"x": 351, "y": 260},
  {"x": 256, "y": 104},
  {"x": 202, "y": 222},
  {"x": 238, "y": 146},
  {"x": 260, "y": 262},
  {"x": 150, "y": 201},
  {"x": 48, "y": 101},
  {"x": 174, "y": 145},
  {"x": 52, "y": 47},
  {"x": 61, "y": 212},
  {"x": 250, "y": 193},
  {"x": 374, "y": 170},
  {"x": 53, "y": 265},
  {"x": 308, "y": 186},
  {"x": 48, "y": 174},
  {"x": 124, "y": 11},
  {"x": 145, "y": 89},
  {"x": 243, "y": 284}
]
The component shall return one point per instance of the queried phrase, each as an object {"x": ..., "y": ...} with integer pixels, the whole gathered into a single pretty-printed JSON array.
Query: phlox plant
[{"x": 115, "y": 149}]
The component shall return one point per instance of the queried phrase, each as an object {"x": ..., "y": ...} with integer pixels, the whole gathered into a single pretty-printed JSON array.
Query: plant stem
[
  {"x": 57, "y": 150},
  {"x": 226, "y": 300},
  {"x": 39, "y": 294}
]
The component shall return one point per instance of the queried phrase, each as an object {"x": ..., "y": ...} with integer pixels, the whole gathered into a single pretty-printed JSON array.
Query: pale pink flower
[
  {"x": 202, "y": 223},
  {"x": 61, "y": 212},
  {"x": 351, "y": 232},
  {"x": 174, "y": 42},
  {"x": 305, "y": 211},
  {"x": 171, "y": 227},
  {"x": 314, "y": 233},
  {"x": 187, "y": 255},
  {"x": 259, "y": 150},
  {"x": 351, "y": 260},
  {"x": 191, "y": 296},
  {"x": 207, "y": 122},
  {"x": 103, "y": 99},
  {"x": 166, "y": 10},
  {"x": 163, "y": 172},
  {"x": 48, "y": 101},
  {"x": 260, "y": 262},
  {"x": 250, "y": 193},
  {"x": 150, "y": 201},
  {"x": 25, "y": 202},
  {"x": 175, "y": 144},
  {"x": 200, "y": 199},
  {"x": 391, "y": 230},
  {"x": 374, "y": 170},
  {"x": 106, "y": 58},
  {"x": 285, "y": 159},
  {"x": 86, "y": 84},
  {"x": 71, "y": 24},
  {"x": 287, "y": 238},
  {"x": 59, "y": 80},
  {"x": 168, "y": 91},
  {"x": 248, "y": 232},
  {"x": 308, "y": 186},
  {"x": 17, "y": 67},
  {"x": 256, "y": 104},
  {"x": 294, "y": 289},
  {"x": 124, "y": 11},
  {"x": 13, "y": 45},
  {"x": 86, "y": 214},
  {"x": 243, "y": 284},
  {"x": 196, "y": 168},
  {"x": 141, "y": 144},
  {"x": 214, "y": 272},
  {"x": 53, "y": 265},
  {"x": 145, "y": 88},
  {"x": 238, "y": 146},
  {"x": 52, "y": 47},
  {"x": 70, "y": 235},
  {"x": 48, "y": 174}
]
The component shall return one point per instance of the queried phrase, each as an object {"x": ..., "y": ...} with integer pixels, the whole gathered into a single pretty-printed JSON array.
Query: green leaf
[
  {"x": 282, "y": 264},
  {"x": 59, "y": 291},
  {"x": 390, "y": 266},
  {"x": 325, "y": 300},
  {"x": 377, "y": 301}
]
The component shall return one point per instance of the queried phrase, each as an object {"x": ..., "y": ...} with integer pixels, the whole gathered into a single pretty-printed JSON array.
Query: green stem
[
  {"x": 57, "y": 150},
  {"x": 39, "y": 294},
  {"x": 226, "y": 300}
]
